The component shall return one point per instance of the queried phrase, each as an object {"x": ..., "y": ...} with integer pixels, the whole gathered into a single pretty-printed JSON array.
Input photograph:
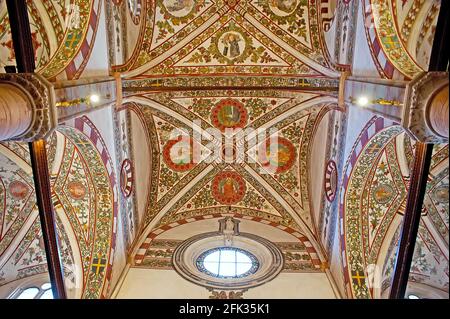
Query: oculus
[
  {"x": 227, "y": 262},
  {"x": 227, "y": 259}
]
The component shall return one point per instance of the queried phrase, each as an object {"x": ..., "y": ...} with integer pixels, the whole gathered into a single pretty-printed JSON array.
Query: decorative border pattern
[
  {"x": 136, "y": 14},
  {"x": 371, "y": 129},
  {"x": 331, "y": 179},
  {"x": 79, "y": 62},
  {"x": 139, "y": 257},
  {"x": 386, "y": 29},
  {"x": 385, "y": 68},
  {"x": 84, "y": 125},
  {"x": 126, "y": 178}
]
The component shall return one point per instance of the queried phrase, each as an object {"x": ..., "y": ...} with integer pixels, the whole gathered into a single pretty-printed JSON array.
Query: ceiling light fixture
[
  {"x": 94, "y": 98},
  {"x": 362, "y": 101}
]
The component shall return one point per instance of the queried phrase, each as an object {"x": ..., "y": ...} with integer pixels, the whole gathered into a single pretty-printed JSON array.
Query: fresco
[
  {"x": 63, "y": 34},
  {"x": 84, "y": 204}
]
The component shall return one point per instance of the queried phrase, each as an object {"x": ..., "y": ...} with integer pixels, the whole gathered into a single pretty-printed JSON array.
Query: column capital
[
  {"x": 39, "y": 97},
  {"x": 425, "y": 112}
]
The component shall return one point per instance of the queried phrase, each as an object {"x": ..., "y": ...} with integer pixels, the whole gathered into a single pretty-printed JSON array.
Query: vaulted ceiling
[
  {"x": 227, "y": 37},
  {"x": 275, "y": 190},
  {"x": 243, "y": 44}
]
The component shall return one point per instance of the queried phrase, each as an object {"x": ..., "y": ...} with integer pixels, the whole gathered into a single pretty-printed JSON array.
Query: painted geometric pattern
[
  {"x": 64, "y": 44},
  {"x": 21, "y": 243},
  {"x": 142, "y": 252},
  {"x": 430, "y": 263},
  {"x": 83, "y": 190},
  {"x": 165, "y": 112},
  {"x": 352, "y": 253},
  {"x": 436, "y": 204},
  {"x": 360, "y": 226},
  {"x": 230, "y": 37},
  {"x": 296, "y": 256},
  {"x": 389, "y": 24},
  {"x": 376, "y": 191}
]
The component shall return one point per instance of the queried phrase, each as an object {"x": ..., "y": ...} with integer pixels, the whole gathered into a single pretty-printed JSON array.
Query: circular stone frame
[{"x": 269, "y": 256}]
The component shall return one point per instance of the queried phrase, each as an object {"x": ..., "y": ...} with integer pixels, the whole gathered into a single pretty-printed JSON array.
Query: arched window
[{"x": 43, "y": 291}]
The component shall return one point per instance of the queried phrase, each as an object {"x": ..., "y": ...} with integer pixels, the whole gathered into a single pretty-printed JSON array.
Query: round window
[
  {"x": 208, "y": 261},
  {"x": 227, "y": 262}
]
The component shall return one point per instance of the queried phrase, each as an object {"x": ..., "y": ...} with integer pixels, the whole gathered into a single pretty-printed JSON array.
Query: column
[
  {"x": 420, "y": 106},
  {"x": 27, "y": 107},
  {"x": 425, "y": 113},
  {"x": 16, "y": 111}
]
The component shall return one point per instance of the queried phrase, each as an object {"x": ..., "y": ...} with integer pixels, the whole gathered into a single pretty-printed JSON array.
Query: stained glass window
[{"x": 227, "y": 262}]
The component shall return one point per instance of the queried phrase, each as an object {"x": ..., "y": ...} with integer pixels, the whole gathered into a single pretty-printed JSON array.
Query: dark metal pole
[
  {"x": 23, "y": 49},
  {"x": 438, "y": 62},
  {"x": 440, "y": 52},
  {"x": 414, "y": 203}
]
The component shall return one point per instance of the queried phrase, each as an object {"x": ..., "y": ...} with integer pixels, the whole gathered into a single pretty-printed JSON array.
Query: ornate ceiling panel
[
  {"x": 255, "y": 182},
  {"x": 231, "y": 37},
  {"x": 22, "y": 251},
  {"x": 400, "y": 35},
  {"x": 374, "y": 202},
  {"x": 63, "y": 34},
  {"x": 82, "y": 194}
]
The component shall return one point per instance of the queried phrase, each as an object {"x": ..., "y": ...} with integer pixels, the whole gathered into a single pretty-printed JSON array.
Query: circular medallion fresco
[
  {"x": 277, "y": 157},
  {"x": 18, "y": 190},
  {"x": 178, "y": 154},
  {"x": 179, "y": 8},
  {"x": 229, "y": 113},
  {"x": 76, "y": 190},
  {"x": 331, "y": 180},
  {"x": 228, "y": 188},
  {"x": 383, "y": 193},
  {"x": 441, "y": 194},
  {"x": 231, "y": 45},
  {"x": 283, "y": 8},
  {"x": 126, "y": 178}
]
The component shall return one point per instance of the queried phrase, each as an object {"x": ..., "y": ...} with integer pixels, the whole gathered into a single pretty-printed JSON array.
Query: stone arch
[
  {"x": 362, "y": 236},
  {"x": 85, "y": 189}
]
